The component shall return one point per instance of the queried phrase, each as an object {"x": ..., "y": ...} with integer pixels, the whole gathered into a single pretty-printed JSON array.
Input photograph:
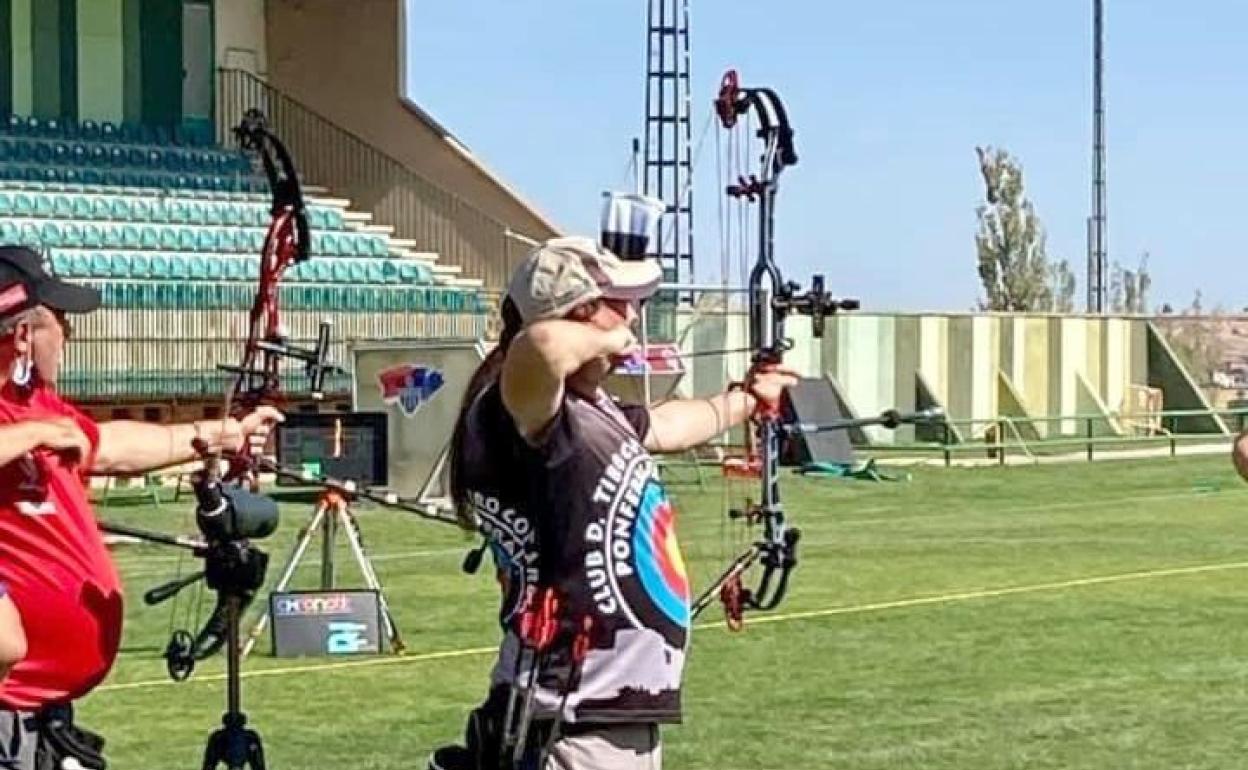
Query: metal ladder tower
[
  {"x": 668, "y": 160},
  {"x": 1098, "y": 267}
]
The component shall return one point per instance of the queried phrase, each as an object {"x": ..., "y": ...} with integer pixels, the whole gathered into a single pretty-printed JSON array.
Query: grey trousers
[
  {"x": 623, "y": 747},
  {"x": 18, "y": 740}
]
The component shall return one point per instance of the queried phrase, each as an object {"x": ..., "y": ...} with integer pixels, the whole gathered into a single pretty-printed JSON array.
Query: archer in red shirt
[{"x": 53, "y": 562}]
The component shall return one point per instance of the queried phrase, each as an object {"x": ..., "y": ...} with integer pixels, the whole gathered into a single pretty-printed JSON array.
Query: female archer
[{"x": 560, "y": 478}]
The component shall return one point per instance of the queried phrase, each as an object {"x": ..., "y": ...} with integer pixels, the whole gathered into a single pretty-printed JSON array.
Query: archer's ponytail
[{"x": 487, "y": 374}]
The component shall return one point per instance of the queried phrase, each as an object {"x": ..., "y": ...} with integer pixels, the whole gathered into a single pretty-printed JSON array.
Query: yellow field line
[
  {"x": 989, "y": 593},
  {"x": 422, "y": 658},
  {"x": 962, "y": 596}
]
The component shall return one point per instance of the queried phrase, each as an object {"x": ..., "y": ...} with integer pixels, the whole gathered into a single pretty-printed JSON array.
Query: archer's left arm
[
  {"x": 685, "y": 423},
  {"x": 128, "y": 447},
  {"x": 679, "y": 425}
]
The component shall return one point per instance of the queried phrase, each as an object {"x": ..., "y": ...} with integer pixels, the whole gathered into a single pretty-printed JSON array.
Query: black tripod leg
[
  {"x": 255, "y": 751},
  {"x": 235, "y": 747}
]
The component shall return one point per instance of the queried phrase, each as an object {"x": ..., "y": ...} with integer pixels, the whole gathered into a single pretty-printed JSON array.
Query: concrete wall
[
  {"x": 240, "y": 36},
  {"x": 345, "y": 60},
  {"x": 979, "y": 366}
]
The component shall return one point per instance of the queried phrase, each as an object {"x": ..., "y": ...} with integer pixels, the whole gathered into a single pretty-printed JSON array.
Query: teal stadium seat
[
  {"x": 101, "y": 208},
  {"x": 80, "y": 207},
  {"x": 149, "y": 237},
  {"x": 23, "y": 205},
  {"x": 159, "y": 266},
  {"x": 62, "y": 205},
  {"x": 92, "y": 236},
  {"x": 71, "y": 235}
]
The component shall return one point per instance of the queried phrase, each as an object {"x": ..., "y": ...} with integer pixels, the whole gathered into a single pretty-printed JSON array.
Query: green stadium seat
[
  {"x": 6, "y": 204},
  {"x": 140, "y": 266},
  {"x": 92, "y": 236},
  {"x": 169, "y": 237},
  {"x": 71, "y": 232},
  {"x": 149, "y": 238},
  {"x": 29, "y": 236},
  {"x": 23, "y": 205},
  {"x": 101, "y": 208},
  {"x": 187, "y": 239},
  {"x": 62, "y": 206},
  {"x": 235, "y": 268},
  {"x": 99, "y": 265},
  {"x": 121, "y": 266},
  {"x": 123, "y": 209},
  {"x": 80, "y": 207},
  {"x": 62, "y": 263},
  {"x": 50, "y": 235},
  {"x": 159, "y": 266}
]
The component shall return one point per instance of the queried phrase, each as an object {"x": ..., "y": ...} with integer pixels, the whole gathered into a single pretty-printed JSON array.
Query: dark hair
[{"x": 486, "y": 375}]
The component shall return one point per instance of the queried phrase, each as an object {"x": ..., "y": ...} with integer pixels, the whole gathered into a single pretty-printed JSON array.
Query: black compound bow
[{"x": 772, "y": 300}]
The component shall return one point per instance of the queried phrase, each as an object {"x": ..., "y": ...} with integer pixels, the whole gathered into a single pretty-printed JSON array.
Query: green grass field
[{"x": 1076, "y": 616}]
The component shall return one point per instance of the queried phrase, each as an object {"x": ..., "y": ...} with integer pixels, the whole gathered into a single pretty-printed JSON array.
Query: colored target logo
[{"x": 659, "y": 563}]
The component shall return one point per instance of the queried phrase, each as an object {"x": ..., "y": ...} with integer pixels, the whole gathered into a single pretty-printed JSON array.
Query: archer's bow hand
[
  {"x": 766, "y": 382},
  {"x": 253, "y": 429}
]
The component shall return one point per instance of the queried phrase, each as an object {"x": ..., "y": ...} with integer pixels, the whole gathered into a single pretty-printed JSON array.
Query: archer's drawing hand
[{"x": 620, "y": 344}]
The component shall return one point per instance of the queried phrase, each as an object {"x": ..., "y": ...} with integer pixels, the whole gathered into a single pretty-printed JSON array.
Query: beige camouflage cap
[{"x": 565, "y": 272}]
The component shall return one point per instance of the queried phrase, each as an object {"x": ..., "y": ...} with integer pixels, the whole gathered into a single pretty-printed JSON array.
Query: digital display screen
[{"x": 340, "y": 445}]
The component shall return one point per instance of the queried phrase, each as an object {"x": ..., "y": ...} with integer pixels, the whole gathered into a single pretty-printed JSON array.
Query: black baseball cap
[{"x": 27, "y": 281}]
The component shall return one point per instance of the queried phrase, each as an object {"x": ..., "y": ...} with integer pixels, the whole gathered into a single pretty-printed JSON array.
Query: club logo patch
[{"x": 410, "y": 386}]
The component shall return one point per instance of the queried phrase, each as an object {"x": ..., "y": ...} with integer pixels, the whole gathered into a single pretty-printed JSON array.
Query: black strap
[{"x": 61, "y": 741}]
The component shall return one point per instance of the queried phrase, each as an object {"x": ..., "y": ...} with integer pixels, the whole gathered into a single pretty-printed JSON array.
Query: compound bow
[
  {"x": 771, "y": 300},
  {"x": 228, "y": 475}
]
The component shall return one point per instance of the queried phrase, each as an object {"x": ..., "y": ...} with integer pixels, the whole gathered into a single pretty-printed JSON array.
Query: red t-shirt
[{"x": 55, "y": 564}]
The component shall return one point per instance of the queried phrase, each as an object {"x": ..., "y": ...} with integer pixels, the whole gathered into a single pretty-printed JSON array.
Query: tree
[
  {"x": 1062, "y": 287},
  {"x": 1128, "y": 289},
  {"x": 1197, "y": 339},
  {"x": 1013, "y": 264}
]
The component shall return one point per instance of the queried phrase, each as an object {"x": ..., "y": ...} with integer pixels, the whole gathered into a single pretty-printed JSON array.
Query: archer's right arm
[
  {"x": 59, "y": 434},
  {"x": 544, "y": 355}
]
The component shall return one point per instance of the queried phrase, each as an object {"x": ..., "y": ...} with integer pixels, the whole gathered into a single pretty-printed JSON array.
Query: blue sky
[{"x": 889, "y": 101}]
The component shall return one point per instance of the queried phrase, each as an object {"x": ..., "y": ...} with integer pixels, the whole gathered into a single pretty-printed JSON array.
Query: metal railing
[
  {"x": 1004, "y": 435},
  {"x": 329, "y": 155}
]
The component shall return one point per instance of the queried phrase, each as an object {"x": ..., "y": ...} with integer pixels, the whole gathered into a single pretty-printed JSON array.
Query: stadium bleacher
[{"x": 167, "y": 222}]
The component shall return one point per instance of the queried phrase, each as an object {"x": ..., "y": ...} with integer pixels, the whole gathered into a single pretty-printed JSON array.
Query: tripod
[
  {"x": 332, "y": 513},
  {"x": 233, "y": 568},
  {"x": 234, "y": 744}
]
